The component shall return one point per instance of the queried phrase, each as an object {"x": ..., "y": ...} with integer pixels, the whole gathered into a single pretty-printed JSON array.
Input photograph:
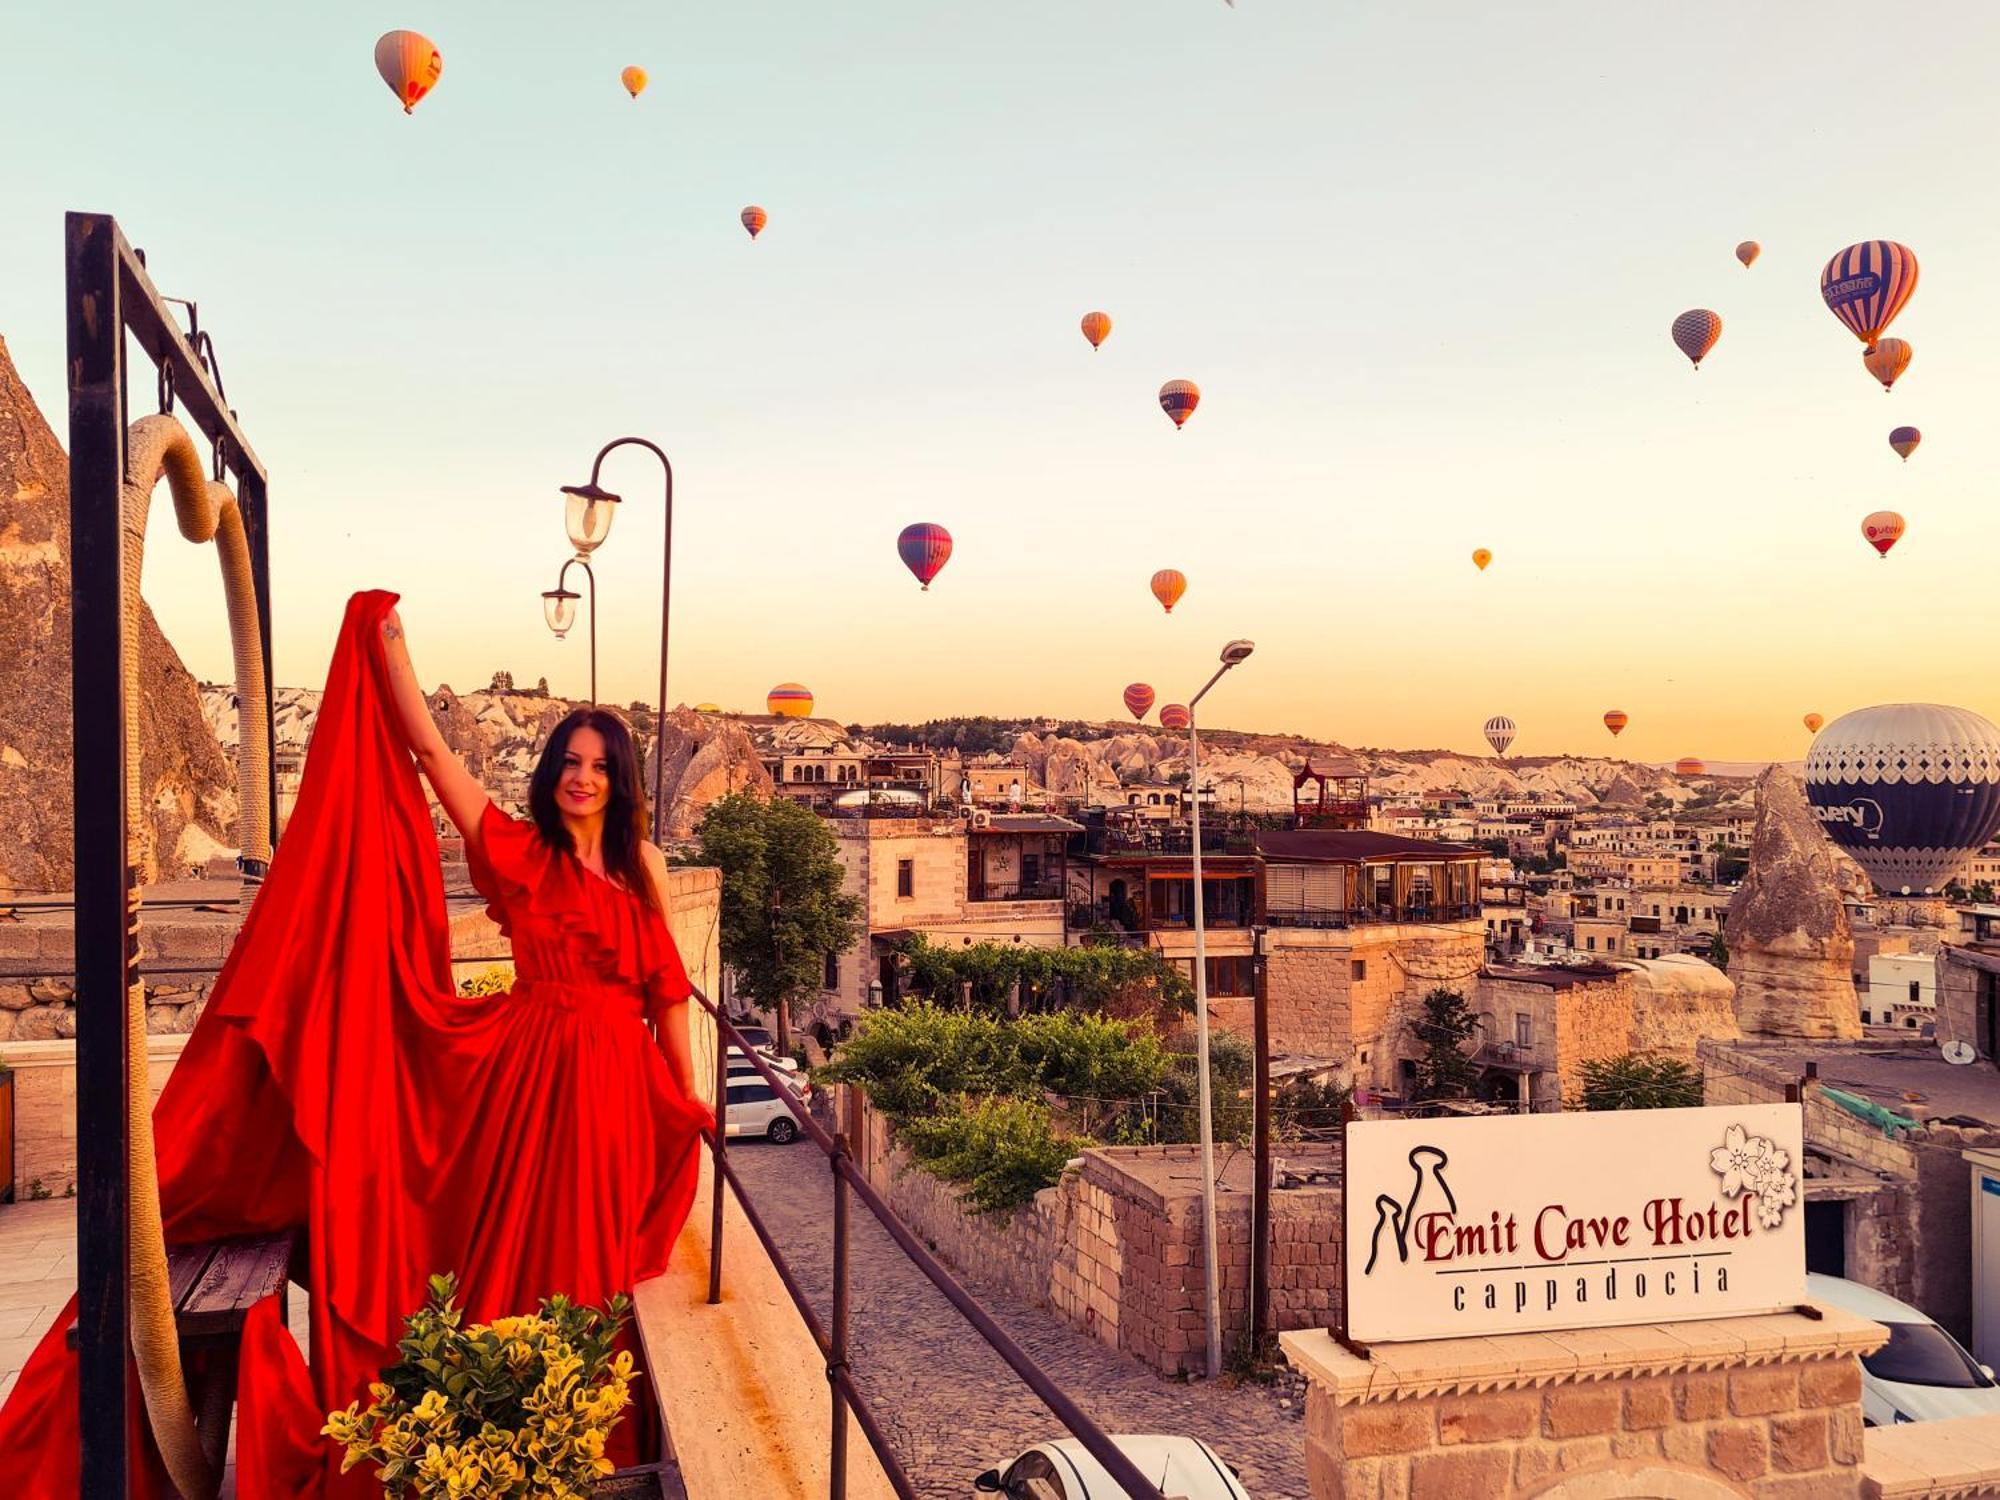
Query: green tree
[
  {"x": 1718, "y": 951},
  {"x": 783, "y": 909},
  {"x": 1447, "y": 1024},
  {"x": 1634, "y": 1082}
]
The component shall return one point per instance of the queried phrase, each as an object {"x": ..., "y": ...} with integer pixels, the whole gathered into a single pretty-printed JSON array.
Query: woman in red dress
[{"x": 537, "y": 1142}]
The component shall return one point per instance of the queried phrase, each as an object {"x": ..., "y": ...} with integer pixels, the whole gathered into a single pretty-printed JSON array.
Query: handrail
[{"x": 846, "y": 1394}]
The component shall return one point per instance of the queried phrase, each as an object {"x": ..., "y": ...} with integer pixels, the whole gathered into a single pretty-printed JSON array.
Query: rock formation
[
  {"x": 184, "y": 778},
  {"x": 708, "y": 757},
  {"x": 1791, "y": 952},
  {"x": 1677, "y": 1001}
]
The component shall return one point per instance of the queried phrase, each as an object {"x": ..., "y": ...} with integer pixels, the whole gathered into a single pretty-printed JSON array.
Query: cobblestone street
[{"x": 948, "y": 1403}]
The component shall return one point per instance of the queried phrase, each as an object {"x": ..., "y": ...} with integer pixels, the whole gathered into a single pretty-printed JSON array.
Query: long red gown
[{"x": 533, "y": 1142}]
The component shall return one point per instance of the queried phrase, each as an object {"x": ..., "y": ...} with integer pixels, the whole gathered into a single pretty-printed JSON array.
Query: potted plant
[{"x": 521, "y": 1406}]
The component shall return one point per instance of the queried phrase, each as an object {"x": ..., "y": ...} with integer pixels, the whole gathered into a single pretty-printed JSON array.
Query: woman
[{"x": 534, "y": 1143}]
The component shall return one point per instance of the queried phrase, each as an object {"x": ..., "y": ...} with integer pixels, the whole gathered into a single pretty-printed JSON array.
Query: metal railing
[{"x": 833, "y": 1342}]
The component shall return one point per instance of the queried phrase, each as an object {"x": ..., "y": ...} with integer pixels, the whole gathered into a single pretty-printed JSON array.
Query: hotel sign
[{"x": 1524, "y": 1223}]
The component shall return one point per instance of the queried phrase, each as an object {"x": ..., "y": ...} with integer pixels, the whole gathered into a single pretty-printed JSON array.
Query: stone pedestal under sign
[{"x": 1759, "y": 1406}]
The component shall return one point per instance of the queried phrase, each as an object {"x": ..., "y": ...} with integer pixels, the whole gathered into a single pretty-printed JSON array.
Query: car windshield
[{"x": 1923, "y": 1354}]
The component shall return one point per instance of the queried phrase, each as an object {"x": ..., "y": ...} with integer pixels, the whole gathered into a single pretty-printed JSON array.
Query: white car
[
  {"x": 755, "y": 1108},
  {"x": 739, "y": 1063},
  {"x": 1184, "y": 1467},
  {"x": 1922, "y": 1374}
]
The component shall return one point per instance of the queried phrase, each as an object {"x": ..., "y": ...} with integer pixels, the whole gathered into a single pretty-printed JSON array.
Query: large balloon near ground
[
  {"x": 1615, "y": 720},
  {"x": 1168, "y": 586},
  {"x": 1695, "y": 332},
  {"x": 1904, "y": 440},
  {"x": 1138, "y": 699},
  {"x": 410, "y": 64},
  {"x": 1883, "y": 529},
  {"x": 1911, "y": 790},
  {"x": 1481, "y": 556},
  {"x": 1866, "y": 285},
  {"x": 754, "y": 219},
  {"x": 634, "y": 80},
  {"x": 1813, "y": 722},
  {"x": 1887, "y": 360},
  {"x": 1499, "y": 733},
  {"x": 1689, "y": 765},
  {"x": 788, "y": 700},
  {"x": 925, "y": 548},
  {"x": 1175, "y": 716},
  {"x": 1178, "y": 399},
  {"x": 1747, "y": 252},
  {"x": 1096, "y": 328}
]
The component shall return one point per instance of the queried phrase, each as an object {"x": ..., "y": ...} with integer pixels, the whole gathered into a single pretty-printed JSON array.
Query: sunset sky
[{"x": 1421, "y": 260}]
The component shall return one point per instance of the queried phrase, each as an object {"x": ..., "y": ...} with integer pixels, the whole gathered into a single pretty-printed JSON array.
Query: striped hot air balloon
[
  {"x": 925, "y": 547},
  {"x": 1175, "y": 716},
  {"x": 1866, "y": 285},
  {"x": 1615, "y": 720},
  {"x": 1883, "y": 528},
  {"x": 1689, "y": 765},
  {"x": 788, "y": 700},
  {"x": 1481, "y": 556},
  {"x": 1168, "y": 586},
  {"x": 1887, "y": 360},
  {"x": 1499, "y": 733},
  {"x": 1813, "y": 722},
  {"x": 410, "y": 64},
  {"x": 1904, "y": 440},
  {"x": 1747, "y": 252},
  {"x": 754, "y": 219},
  {"x": 1138, "y": 699},
  {"x": 1096, "y": 328},
  {"x": 1695, "y": 332},
  {"x": 634, "y": 80},
  {"x": 1178, "y": 399}
]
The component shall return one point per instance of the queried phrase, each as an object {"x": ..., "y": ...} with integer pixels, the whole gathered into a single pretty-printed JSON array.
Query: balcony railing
[
  {"x": 1046, "y": 890},
  {"x": 1355, "y": 916}
]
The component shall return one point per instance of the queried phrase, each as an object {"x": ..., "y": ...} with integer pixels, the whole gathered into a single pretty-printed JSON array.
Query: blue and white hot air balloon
[{"x": 1911, "y": 790}]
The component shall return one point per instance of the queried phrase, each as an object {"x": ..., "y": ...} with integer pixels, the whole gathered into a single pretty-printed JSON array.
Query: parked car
[
  {"x": 1922, "y": 1374},
  {"x": 740, "y": 1062},
  {"x": 1184, "y": 1467},
  {"x": 755, "y": 1108},
  {"x": 758, "y": 1037}
]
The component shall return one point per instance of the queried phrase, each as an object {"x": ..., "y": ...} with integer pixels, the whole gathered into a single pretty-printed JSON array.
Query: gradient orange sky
[{"x": 1421, "y": 260}]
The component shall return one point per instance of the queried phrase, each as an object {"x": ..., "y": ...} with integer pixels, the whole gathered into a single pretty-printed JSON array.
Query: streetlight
[
  {"x": 587, "y": 519},
  {"x": 559, "y": 609},
  {"x": 1233, "y": 654}
]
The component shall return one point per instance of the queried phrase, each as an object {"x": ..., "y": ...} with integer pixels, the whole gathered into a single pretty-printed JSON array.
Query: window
[
  {"x": 1229, "y": 977},
  {"x": 906, "y": 877},
  {"x": 1031, "y": 869},
  {"x": 1590, "y": 943},
  {"x": 1924, "y": 1354},
  {"x": 1524, "y": 1030},
  {"x": 830, "y": 977},
  {"x": 751, "y": 1093},
  {"x": 1916, "y": 992},
  {"x": 1359, "y": 969}
]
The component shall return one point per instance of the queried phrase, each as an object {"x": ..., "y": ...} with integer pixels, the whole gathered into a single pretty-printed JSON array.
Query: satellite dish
[{"x": 1958, "y": 1052}]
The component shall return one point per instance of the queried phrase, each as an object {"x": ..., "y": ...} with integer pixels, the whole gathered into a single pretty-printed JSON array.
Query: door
[
  {"x": 1826, "y": 1237},
  {"x": 975, "y": 873}
]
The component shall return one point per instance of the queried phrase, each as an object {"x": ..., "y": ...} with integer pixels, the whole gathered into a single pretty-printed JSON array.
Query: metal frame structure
[{"x": 111, "y": 300}]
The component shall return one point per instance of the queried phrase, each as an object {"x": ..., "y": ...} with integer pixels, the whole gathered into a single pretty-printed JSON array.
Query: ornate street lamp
[{"x": 559, "y": 608}]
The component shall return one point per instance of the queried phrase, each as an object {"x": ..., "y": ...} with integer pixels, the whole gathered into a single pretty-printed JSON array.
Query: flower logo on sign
[{"x": 1757, "y": 1166}]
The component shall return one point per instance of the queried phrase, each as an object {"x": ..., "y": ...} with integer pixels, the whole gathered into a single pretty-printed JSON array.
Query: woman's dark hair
[{"x": 624, "y": 815}]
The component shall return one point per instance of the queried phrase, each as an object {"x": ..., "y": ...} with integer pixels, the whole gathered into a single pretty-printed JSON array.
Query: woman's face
[{"x": 584, "y": 788}]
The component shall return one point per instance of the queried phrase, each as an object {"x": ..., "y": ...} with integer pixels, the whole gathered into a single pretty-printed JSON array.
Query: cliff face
[
  {"x": 1791, "y": 952},
  {"x": 185, "y": 781},
  {"x": 707, "y": 758}
]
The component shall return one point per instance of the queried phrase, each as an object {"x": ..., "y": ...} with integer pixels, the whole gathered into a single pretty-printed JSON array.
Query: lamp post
[
  {"x": 587, "y": 518},
  {"x": 1233, "y": 654},
  {"x": 559, "y": 609}
]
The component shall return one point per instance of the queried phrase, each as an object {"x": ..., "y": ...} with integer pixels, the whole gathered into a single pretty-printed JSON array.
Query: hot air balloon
[
  {"x": 1499, "y": 733},
  {"x": 925, "y": 548},
  {"x": 1695, "y": 333},
  {"x": 1866, "y": 285},
  {"x": 1689, "y": 765},
  {"x": 1615, "y": 720},
  {"x": 1096, "y": 328},
  {"x": 1138, "y": 699},
  {"x": 1911, "y": 790},
  {"x": 1178, "y": 399},
  {"x": 1168, "y": 586},
  {"x": 754, "y": 219},
  {"x": 1904, "y": 440},
  {"x": 1883, "y": 528},
  {"x": 1887, "y": 360},
  {"x": 1747, "y": 252},
  {"x": 789, "y": 701},
  {"x": 410, "y": 64},
  {"x": 708, "y": 708},
  {"x": 1813, "y": 722},
  {"x": 1481, "y": 556},
  {"x": 1175, "y": 716},
  {"x": 634, "y": 80}
]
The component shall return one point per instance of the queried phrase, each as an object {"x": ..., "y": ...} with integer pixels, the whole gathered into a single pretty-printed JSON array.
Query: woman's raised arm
[{"x": 463, "y": 797}]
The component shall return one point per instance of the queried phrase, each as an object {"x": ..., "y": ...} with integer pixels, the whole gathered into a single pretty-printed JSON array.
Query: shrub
[
  {"x": 1003, "y": 1151},
  {"x": 494, "y": 981},
  {"x": 1635, "y": 1082}
]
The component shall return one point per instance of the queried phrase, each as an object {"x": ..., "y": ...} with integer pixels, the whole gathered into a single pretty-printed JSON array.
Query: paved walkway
[{"x": 949, "y": 1404}]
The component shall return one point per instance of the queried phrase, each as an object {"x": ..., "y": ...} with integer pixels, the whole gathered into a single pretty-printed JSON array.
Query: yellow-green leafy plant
[
  {"x": 521, "y": 1406},
  {"x": 494, "y": 981}
]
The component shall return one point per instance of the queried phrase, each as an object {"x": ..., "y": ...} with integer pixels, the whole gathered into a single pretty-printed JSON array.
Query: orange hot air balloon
[
  {"x": 1689, "y": 765},
  {"x": 1695, "y": 333},
  {"x": 1138, "y": 699},
  {"x": 754, "y": 219},
  {"x": 1747, "y": 252},
  {"x": 1814, "y": 722},
  {"x": 1615, "y": 720},
  {"x": 1481, "y": 556},
  {"x": 410, "y": 64},
  {"x": 1178, "y": 399},
  {"x": 1097, "y": 328},
  {"x": 1887, "y": 360},
  {"x": 788, "y": 700},
  {"x": 1175, "y": 716},
  {"x": 1904, "y": 440},
  {"x": 634, "y": 80},
  {"x": 1883, "y": 528},
  {"x": 1168, "y": 586}
]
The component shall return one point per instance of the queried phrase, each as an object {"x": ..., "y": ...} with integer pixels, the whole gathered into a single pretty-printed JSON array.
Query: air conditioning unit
[{"x": 982, "y": 818}]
